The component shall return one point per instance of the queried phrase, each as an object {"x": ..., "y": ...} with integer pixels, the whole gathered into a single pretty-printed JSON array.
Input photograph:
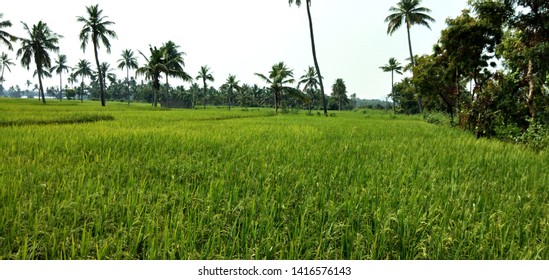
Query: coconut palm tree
[
  {"x": 339, "y": 91},
  {"x": 310, "y": 85},
  {"x": 173, "y": 59},
  {"x": 153, "y": 70},
  {"x": 409, "y": 12},
  {"x": 60, "y": 67},
  {"x": 96, "y": 30},
  {"x": 308, "y": 4},
  {"x": 5, "y": 37},
  {"x": 83, "y": 69},
  {"x": 5, "y": 63},
  {"x": 107, "y": 73},
  {"x": 41, "y": 40},
  {"x": 205, "y": 75},
  {"x": 279, "y": 77},
  {"x": 128, "y": 61},
  {"x": 232, "y": 85},
  {"x": 393, "y": 66}
]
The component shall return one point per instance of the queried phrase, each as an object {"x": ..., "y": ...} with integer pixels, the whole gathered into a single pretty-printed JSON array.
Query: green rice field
[{"x": 81, "y": 181}]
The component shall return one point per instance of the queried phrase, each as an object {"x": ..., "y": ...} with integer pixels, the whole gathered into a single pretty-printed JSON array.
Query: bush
[{"x": 536, "y": 136}]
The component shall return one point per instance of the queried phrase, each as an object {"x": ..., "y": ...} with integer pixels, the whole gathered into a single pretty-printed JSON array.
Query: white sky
[{"x": 241, "y": 37}]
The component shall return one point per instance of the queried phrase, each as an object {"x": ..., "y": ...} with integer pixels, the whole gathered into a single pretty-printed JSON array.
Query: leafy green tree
[
  {"x": 128, "y": 61},
  {"x": 410, "y": 13},
  {"x": 231, "y": 85},
  {"x": 40, "y": 41},
  {"x": 6, "y": 37},
  {"x": 153, "y": 69},
  {"x": 205, "y": 75},
  {"x": 60, "y": 67},
  {"x": 525, "y": 47},
  {"x": 313, "y": 47},
  {"x": 279, "y": 77},
  {"x": 394, "y": 67},
  {"x": 5, "y": 63},
  {"x": 339, "y": 92},
  {"x": 96, "y": 30},
  {"x": 83, "y": 69}
]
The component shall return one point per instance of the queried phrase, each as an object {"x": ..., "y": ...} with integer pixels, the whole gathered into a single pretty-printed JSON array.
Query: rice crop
[{"x": 145, "y": 183}]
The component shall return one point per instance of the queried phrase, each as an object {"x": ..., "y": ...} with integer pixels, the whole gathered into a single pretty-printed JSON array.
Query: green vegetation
[{"x": 220, "y": 184}]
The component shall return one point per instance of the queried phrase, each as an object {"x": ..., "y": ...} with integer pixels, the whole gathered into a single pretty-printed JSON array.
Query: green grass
[{"x": 218, "y": 184}]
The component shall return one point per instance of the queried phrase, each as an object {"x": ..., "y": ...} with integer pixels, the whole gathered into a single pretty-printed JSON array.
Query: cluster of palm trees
[{"x": 167, "y": 61}]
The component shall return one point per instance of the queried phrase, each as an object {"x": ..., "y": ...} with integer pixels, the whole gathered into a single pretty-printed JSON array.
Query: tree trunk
[
  {"x": 230, "y": 93},
  {"x": 205, "y": 91},
  {"x": 276, "y": 102},
  {"x": 82, "y": 93},
  {"x": 531, "y": 90},
  {"x": 128, "y": 84},
  {"x": 60, "y": 86},
  {"x": 419, "y": 101},
  {"x": 101, "y": 84},
  {"x": 393, "y": 90},
  {"x": 41, "y": 87},
  {"x": 314, "y": 57},
  {"x": 155, "y": 98}
]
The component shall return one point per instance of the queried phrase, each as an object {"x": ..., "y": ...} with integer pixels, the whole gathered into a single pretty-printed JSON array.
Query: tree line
[{"x": 161, "y": 63}]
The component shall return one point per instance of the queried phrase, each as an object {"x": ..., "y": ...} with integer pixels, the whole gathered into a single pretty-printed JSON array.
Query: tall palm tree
[
  {"x": 96, "y": 29},
  {"x": 5, "y": 63},
  {"x": 279, "y": 76},
  {"x": 310, "y": 85},
  {"x": 60, "y": 67},
  {"x": 409, "y": 12},
  {"x": 393, "y": 66},
  {"x": 83, "y": 69},
  {"x": 339, "y": 90},
  {"x": 205, "y": 75},
  {"x": 173, "y": 59},
  {"x": 153, "y": 69},
  {"x": 308, "y": 4},
  {"x": 41, "y": 40},
  {"x": 128, "y": 61},
  {"x": 5, "y": 37},
  {"x": 231, "y": 84}
]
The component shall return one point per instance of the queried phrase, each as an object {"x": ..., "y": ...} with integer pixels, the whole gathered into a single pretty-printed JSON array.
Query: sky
[{"x": 240, "y": 37}]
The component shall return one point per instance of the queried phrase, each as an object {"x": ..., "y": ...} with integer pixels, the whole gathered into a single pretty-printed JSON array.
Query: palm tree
[
  {"x": 41, "y": 40},
  {"x": 339, "y": 91},
  {"x": 128, "y": 61},
  {"x": 408, "y": 11},
  {"x": 106, "y": 72},
  {"x": 5, "y": 37},
  {"x": 173, "y": 59},
  {"x": 231, "y": 84},
  {"x": 393, "y": 66},
  {"x": 205, "y": 75},
  {"x": 83, "y": 69},
  {"x": 96, "y": 29},
  {"x": 153, "y": 69},
  {"x": 308, "y": 4},
  {"x": 310, "y": 84},
  {"x": 60, "y": 67},
  {"x": 278, "y": 78},
  {"x": 5, "y": 62},
  {"x": 194, "y": 89}
]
